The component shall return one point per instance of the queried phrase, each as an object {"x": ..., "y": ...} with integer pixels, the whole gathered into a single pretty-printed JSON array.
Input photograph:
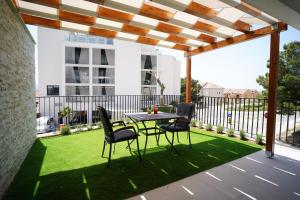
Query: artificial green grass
[{"x": 71, "y": 167}]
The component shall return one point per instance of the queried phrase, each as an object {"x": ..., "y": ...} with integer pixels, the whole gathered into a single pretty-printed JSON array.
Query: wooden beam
[
  {"x": 240, "y": 38},
  {"x": 156, "y": 13},
  {"x": 188, "y": 79},
  {"x": 134, "y": 30},
  {"x": 76, "y": 18},
  {"x": 112, "y": 14},
  {"x": 38, "y": 21},
  {"x": 272, "y": 93}
]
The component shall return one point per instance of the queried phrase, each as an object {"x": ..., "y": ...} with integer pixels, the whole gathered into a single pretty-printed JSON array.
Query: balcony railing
[{"x": 247, "y": 114}]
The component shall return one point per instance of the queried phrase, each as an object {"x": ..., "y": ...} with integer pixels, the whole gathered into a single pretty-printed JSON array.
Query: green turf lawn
[{"x": 71, "y": 167}]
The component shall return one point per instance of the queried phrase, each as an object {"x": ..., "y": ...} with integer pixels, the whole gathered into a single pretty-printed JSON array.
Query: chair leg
[
  {"x": 177, "y": 137},
  {"x": 189, "y": 134},
  {"x": 129, "y": 146},
  {"x": 114, "y": 148},
  {"x": 156, "y": 137},
  {"x": 109, "y": 155},
  {"x": 138, "y": 147},
  {"x": 104, "y": 144},
  {"x": 145, "y": 145},
  {"x": 172, "y": 142}
]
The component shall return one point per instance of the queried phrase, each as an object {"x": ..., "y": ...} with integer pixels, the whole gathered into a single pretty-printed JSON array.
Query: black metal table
[{"x": 144, "y": 117}]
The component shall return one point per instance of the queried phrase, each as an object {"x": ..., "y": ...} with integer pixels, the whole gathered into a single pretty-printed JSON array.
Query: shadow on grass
[{"x": 126, "y": 176}]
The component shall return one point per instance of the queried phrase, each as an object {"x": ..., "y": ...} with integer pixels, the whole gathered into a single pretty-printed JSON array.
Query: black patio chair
[
  {"x": 185, "y": 110},
  {"x": 113, "y": 136}
]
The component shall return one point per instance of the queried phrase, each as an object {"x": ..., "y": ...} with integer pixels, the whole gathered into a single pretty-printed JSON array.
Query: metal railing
[
  {"x": 84, "y": 108},
  {"x": 249, "y": 115}
]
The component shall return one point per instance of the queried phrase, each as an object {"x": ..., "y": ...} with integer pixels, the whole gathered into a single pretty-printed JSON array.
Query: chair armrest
[
  {"x": 118, "y": 122},
  {"x": 126, "y": 127}
]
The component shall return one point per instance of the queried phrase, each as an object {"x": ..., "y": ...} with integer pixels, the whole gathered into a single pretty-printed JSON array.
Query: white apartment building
[{"x": 71, "y": 64}]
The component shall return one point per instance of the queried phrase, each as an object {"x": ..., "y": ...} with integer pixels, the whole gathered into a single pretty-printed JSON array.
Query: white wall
[
  {"x": 50, "y": 52},
  {"x": 169, "y": 69},
  {"x": 212, "y": 92},
  {"x": 127, "y": 68}
]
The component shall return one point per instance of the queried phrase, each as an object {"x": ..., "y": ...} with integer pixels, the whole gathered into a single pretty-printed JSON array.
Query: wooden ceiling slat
[
  {"x": 248, "y": 9},
  {"x": 207, "y": 38},
  {"x": 181, "y": 47},
  {"x": 102, "y": 32},
  {"x": 134, "y": 30},
  {"x": 241, "y": 26},
  {"x": 199, "y": 10},
  {"x": 33, "y": 20},
  {"x": 111, "y": 14},
  {"x": 168, "y": 28},
  {"x": 176, "y": 39},
  {"x": 148, "y": 41},
  {"x": 76, "y": 18},
  {"x": 51, "y": 3},
  {"x": 156, "y": 13},
  {"x": 201, "y": 26}
]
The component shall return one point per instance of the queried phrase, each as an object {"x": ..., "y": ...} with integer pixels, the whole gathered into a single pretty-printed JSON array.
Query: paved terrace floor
[{"x": 251, "y": 177}]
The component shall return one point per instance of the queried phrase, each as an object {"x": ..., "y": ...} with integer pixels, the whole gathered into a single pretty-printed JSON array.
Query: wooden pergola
[{"x": 191, "y": 26}]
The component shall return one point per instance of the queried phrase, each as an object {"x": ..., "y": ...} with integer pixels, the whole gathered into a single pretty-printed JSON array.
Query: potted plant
[{"x": 65, "y": 113}]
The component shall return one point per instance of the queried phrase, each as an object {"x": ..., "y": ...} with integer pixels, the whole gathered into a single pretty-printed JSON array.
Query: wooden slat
[
  {"x": 241, "y": 26},
  {"x": 135, "y": 30},
  {"x": 238, "y": 39},
  {"x": 102, "y": 32},
  {"x": 207, "y": 38},
  {"x": 200, "y": 10},
  {"x": 33, "y": 20},
  {"x": 156, "y": 13},
  {"x": 168, "y": 28},
  {"x": 149, "y": 41},
  {"x": 51, "y": 3},
  {"x": 181, "y": 47},
  {"x": 201, "y": 26},
  {"x": 76, "y": 18},
  {"x": 176, "y": 39},
  {"x": 116, "y": 15}
]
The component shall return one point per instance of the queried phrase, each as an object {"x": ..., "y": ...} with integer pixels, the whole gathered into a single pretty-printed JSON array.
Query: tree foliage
[
  {"x": 195, "y": 88},
  {"x": 289, "y": 73}
]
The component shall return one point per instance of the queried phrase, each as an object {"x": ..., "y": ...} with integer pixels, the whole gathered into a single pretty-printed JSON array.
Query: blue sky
[{"x": 235, "y": 66}]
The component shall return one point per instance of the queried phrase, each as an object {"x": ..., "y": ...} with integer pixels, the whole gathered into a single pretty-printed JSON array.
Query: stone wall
[{"x": 17, "y": 92}]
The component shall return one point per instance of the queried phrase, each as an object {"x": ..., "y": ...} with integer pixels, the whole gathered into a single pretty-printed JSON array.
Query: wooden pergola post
[
  {"x": 188, "y": 79},
  {"x": 272, "y": 92}
]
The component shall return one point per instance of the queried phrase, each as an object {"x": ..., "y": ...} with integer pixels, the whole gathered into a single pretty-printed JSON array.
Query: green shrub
[
  {"x": 209, "y": 127},
  {"x": 230, "y": 132},
  {"x": 89, "y": 127},
  {"x": 65, "y": 130},
  {"x": 200, "y": 124},
  {"x": 194, "y": 123},
  {"x": 79, "y": 127},
  {"x": 242, "y": 135},
  {"x": 259, "y": 139},
  {"x": 220, "y": 129}
]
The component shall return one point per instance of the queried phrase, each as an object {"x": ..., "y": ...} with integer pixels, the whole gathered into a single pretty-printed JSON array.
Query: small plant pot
[{"x": 61, "y": 126}]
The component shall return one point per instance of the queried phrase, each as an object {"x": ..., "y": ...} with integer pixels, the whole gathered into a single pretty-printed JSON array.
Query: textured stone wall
[{"x": 17, "y": 91}]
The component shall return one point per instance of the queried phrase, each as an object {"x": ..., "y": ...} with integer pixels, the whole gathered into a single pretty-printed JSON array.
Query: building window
[
  {"x": 52, "y": 90},
  {"x": 77, "y": 90},
  {"x": 76, "y": 55},
  {"x": 103, "y": 57},
  {"x": 77, "y": 74},
  {"x": 102, "y": 75},
  {"x": 103, "y": 90},
  {"x": 149, "y": 82}
]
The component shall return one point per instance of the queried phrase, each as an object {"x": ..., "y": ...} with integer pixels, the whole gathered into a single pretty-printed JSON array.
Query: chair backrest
[
  {"x": 105, "y": 121},
  {"x": 186, "y": 110}
]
